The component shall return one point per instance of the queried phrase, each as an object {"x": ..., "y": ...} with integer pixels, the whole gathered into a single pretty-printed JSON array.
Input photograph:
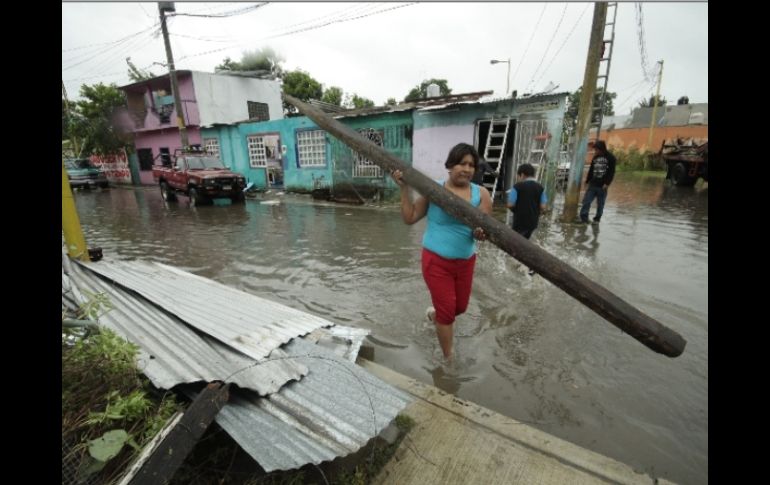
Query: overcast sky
[{"x": 392, "y": 47}]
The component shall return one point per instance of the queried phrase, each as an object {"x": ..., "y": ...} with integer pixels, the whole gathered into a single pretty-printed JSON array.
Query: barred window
[
  {"x": 362, "y": 166},
  {"x": 311, "y": 146},
  {"x": 258, "y": 111},
  {"x": 257, "y": 156},
  {"x": 212, "y": 146}
]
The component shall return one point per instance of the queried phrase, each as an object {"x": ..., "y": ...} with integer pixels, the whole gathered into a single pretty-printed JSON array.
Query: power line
[
  {"x": 145, "y": 11},
  {"x": 642, "y": 44},
  {"x": 199, "y": 38},
  {"x": 233, "y": 13},
  {"x": 112, "y": 45},
  {"x": 534, "y": 31},
  {"x": 131, "y": 46},
  {"x": 650, "y": 85},
  {"x": 313, "y": 27},
  {"x": 531, "y": 81},
  {"x": 339, "y": 21},
  {"x": 563, "y": 43},
  {"x": 107, "y": 43}
]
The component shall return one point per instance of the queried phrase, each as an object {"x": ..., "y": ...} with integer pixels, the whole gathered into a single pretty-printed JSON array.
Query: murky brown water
[{"x": 525, "y": 348}]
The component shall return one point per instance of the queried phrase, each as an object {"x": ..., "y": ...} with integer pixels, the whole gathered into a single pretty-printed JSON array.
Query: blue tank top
[{"x": 445, "y": 235}]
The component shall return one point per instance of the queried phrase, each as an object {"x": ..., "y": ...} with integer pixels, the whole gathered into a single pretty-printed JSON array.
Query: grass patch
[
  {"x": 632, "y": 160},
  {"x": 109, "y": 410}
]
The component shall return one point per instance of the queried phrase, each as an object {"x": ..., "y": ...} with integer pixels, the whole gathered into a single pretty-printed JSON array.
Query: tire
[
  {"x": 680, "y": 177},
  {"x": 196, "y": 199},
  {"x": 240, "y": 198},
  {"x": 167, "y": 194}
]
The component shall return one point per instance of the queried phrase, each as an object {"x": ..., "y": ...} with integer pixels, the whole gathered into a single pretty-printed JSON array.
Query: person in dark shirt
[
  {"x": 599, "y": 178},
  {"x": 526, "y": 200}
]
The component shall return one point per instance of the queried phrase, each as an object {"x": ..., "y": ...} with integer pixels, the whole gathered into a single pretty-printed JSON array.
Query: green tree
[
  {"x": 92, "y": 118},
  {"x": 391, "y": 102},
  {"x": 354, "y": 101},
  {"x": 264, "y": 59},
  {"x": 649, "y": 103},
  {"x": 421, "y": 91},
  {"x": 135, "y": 74},
  {"x": 332, "y": 95},
  {"x": 228, "y": 65},
  {"x": 573, "y": 106},
  {"x": 302, "y": 86}
]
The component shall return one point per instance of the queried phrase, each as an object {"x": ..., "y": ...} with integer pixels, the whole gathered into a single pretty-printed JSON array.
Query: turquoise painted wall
[
  {"x": 396, "y": 129},
  {"x": 233, "y": 147}
]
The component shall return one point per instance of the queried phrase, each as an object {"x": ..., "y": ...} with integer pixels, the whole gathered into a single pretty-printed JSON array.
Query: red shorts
[{"x": 449, "y": 282}]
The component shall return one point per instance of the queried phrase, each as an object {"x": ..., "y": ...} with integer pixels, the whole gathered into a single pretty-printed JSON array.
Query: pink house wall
[
  {"x": 189, "y": 106},
  {"x": 165, "y": 138}
]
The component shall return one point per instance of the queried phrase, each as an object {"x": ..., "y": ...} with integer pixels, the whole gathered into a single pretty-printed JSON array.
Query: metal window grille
[
  {"x": 212, "y": 146},
  {"x": 311, "y": 146},
  {"x": 257, "y": 157},
  {"x": 258, "y": 111},
  {"x": 362, "y": 166}
]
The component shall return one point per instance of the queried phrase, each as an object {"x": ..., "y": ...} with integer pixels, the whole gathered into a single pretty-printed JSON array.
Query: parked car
[
  {"x": 200, "y": 176},
  {"x": 82, "y": 173}
]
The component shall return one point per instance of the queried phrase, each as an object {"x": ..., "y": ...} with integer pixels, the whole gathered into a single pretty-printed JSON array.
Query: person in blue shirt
[
  {"x": 448, "y": 246},
  {"x": 526, "y": 200}
]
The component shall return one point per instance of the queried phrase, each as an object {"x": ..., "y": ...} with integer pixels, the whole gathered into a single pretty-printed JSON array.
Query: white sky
[{"x": 385, "y": 54}]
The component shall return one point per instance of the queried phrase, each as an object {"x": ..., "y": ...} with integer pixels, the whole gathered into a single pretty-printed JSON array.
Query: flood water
[{"x": 525, "y": 348}]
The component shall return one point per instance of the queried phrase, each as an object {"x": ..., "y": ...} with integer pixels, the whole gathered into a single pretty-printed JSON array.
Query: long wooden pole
[{"x": 643, "y": 328}]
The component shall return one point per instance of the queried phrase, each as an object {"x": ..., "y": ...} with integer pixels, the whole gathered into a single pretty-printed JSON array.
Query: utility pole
[
  {"x": 654, "y": 115},
  {"x": 584, "y": 113},
  {"x": 70, "y": 223},
  {"x": 69, "y": 117},
  {"x": 164, "y": 7}
]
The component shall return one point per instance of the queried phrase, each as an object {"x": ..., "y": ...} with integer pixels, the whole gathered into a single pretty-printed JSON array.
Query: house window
[
  {"x": 145, "y": 158},
  {"x": 257, "y": 157},
  {"x": 311, "y": 146},
  {"x": 258, "y": 111},
  {"x": 363, "y": 167},
  {"x": 212, "y": 146},
  {"x": 165, "y": 157}
]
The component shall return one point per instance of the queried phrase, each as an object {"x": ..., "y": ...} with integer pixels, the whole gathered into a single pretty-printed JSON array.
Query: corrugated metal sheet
[
  {"x": 674, "y": 115},
  {"x": 250, "y": 324},
  {"x": 333, "y": 411},
  {"x": 171, "y": 353}
]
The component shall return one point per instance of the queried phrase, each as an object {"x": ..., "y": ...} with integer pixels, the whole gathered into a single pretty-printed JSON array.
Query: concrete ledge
[{"x": 457, "y": 441}]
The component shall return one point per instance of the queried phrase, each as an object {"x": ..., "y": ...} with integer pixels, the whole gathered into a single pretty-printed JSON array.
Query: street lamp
[{"x": 507, "y": 79}]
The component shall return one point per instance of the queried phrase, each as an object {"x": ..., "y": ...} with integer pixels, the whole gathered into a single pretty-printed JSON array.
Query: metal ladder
[
  {"x": 605, "y": 76},
  {"x": 538, "y": 153},
  {"x": 493, "y": 152}
]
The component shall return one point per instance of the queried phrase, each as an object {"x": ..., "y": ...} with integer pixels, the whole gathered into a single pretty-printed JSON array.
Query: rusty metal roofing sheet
[
  {"x": 333, "y": 411},
  {"x": 252, "y": 325},
  {"x": 172, "y": 353}
]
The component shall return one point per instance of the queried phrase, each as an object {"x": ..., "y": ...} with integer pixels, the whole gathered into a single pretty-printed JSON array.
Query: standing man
[{"x": 599, "y": 179}]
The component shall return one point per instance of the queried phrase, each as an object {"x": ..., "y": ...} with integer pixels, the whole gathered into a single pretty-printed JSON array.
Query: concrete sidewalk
[{"x": 458, "y": 442}]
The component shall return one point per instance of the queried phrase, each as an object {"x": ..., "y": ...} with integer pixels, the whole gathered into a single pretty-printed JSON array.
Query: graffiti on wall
[{"x": 115, "y": 166}]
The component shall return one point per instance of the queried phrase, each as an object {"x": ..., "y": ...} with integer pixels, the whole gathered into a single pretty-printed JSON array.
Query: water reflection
[{"x": 526, "y": 348}]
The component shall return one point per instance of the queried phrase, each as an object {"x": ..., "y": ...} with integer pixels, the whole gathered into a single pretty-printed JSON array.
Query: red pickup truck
[{"x": 200, "y": 176}]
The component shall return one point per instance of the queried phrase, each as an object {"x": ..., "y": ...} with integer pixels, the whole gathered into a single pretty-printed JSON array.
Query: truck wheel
[
  {"x": 680, "y": 177},
  {"x": 166, "y": 193},
  {"x": 239, "y": 198},
  {"x": 196, "y": 199}
]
